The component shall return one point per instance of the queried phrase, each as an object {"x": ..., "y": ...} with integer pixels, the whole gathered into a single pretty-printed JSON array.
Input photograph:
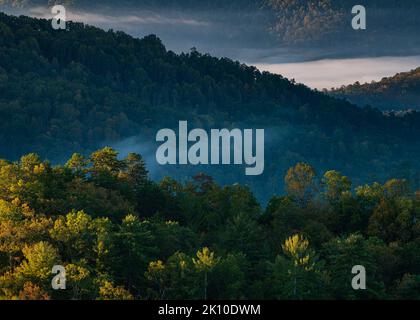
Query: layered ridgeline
[
  {"x": 400, "y": 92},
  {"x": 254, "y": 31},
  {"x": 312, "y": 24},
  {"x": 79, "y": 89}
]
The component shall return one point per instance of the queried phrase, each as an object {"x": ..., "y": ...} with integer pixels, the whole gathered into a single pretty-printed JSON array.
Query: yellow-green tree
[
  {"x": 302, "y": 270},
  {"x": 108, "y": 291},
  {"x": 204, "y": 263},
  {"x": 158, "y": 276},
  {"x": 335, "y": 185},
  {"x": 35, "y": 268}
]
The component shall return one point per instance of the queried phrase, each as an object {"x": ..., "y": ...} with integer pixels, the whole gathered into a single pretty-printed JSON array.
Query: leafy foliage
[{"x": 203, "y": 241}]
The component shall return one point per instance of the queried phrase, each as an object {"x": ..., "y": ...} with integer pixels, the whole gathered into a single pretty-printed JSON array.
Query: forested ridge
[
  {"x": 296, "y": 23},
  {"x": 122, "y": 236},
  {"x": 326, "y": 21},
  {"x": 399, "y": 92},
  {"x": 76, "y": 90}
]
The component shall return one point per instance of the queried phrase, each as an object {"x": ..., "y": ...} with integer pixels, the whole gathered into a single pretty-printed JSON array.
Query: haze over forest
[{"x": 82, "y": 89}]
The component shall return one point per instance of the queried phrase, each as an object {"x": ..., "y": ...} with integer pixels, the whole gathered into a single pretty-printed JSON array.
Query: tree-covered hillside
[
  {"x": 327, "y": 23},
  {"x": 121, "y": 236},
  {"x": 399, "y": 92},
  {"x": 74, "y": 90}
]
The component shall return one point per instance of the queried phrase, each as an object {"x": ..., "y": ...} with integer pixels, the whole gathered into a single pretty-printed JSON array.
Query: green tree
[
  {"x": 335, "y": 184},
  {"x": 300, "y": 183},
  {"x": 135, "y": 242},
  {"x": 36, "y": 268},
  {"x": 105, "y": 167},
  {"x": 75, "y": 235},
  {"x": 108, "y": 291},
  {"x": 341, "y": 256}
]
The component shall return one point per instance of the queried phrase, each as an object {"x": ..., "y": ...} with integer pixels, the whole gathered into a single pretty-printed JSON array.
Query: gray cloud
[{"x": 142, "y": 17}]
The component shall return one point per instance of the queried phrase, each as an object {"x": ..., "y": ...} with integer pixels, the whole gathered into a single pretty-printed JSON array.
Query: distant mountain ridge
[
  {"x": 77, "y": 90},
  {"x": 399, "y": 92}
]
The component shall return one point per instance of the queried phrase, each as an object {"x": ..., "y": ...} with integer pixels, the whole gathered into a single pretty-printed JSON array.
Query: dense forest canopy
[
  {"x": 75, "y": 90},
  {"x": 121, "y": 236},
  {"x": 400, "y": 92}
]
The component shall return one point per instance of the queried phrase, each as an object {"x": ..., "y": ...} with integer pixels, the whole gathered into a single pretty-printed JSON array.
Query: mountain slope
[
  {"x": 76, "y": 90},
  {"x": 401, "y": 91}
]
